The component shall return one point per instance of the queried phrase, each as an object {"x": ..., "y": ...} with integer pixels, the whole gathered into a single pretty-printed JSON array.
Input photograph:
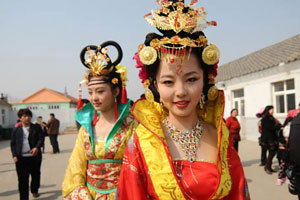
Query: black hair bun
[{"x": 150, "y": 37}]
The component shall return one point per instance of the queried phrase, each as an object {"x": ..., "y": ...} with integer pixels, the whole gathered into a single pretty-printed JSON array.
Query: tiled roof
[
  {"x": 46, "y": 95},
  {"x": 4, "y": 103},
  {"x": 285, "y": 51}
]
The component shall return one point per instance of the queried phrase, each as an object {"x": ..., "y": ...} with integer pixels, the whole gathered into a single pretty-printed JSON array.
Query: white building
[
  {"x": 270, "y": 76},
  {"x": 6, "y": 114},
  {"x": 46, "y": 101}
]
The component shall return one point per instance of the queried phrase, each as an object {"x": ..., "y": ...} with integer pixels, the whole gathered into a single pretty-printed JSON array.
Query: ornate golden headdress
[
  {"x": 182, "y": 27},
  {"x": 98, "y": 63},
  {"x": 181, "y": 19}
]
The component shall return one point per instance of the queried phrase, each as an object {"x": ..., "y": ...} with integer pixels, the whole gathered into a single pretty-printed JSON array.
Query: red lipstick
[{"x": 181, "y": 104}]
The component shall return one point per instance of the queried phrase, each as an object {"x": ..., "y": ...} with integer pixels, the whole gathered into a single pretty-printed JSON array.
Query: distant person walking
[
  {"x": 26, "y": 141},
  {"x": 263, "y": 156},
  {"x": 53, "y": 130},
  {"x": 283, "y": 153},
  {"x": 234, "y": 128},
  {"x": 43, "y": 126},
  {"x": 269, "y": 127}
]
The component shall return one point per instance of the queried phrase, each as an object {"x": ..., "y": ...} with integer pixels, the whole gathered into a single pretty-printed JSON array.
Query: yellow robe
[
  {"x": 75, "y": 175},
  {"x": 87, "y": 150}
]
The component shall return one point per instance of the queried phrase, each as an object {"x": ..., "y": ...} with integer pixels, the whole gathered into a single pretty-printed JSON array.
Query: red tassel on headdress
[
  {"x": 116, "y": 111},
  {"x": 79, "y": 103},
  {"x": 124, "y": 95},
  {"x": 95, "y": 118}
]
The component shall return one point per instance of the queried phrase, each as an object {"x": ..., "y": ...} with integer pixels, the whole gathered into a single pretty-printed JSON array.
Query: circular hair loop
[
  {"x": 84, "y": 51},
  {"x": 119, "y": 49},
  {"x": 96, "y": 50}
]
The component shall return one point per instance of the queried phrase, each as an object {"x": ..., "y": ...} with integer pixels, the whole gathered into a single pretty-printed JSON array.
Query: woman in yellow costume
[
  {"x": 94, "y": 166},
  {"x": 180, "y": 148}
]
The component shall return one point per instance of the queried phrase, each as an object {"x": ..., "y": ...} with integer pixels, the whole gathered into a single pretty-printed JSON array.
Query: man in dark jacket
[
  {"x": 294, "y": 147},
  {"x": 53, "y": 129},
  {"x": 26, "y": 141}
]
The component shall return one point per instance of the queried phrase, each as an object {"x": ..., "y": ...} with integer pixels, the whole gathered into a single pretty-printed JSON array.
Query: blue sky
[{"x": 40, "y": 41}]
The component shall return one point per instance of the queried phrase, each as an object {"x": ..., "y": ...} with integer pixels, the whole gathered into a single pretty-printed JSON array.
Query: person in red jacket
[{"x": 234, "y": 128}]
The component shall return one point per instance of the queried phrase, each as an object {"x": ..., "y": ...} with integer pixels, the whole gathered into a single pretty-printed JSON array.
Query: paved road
[{"x": 261, "y": 185}]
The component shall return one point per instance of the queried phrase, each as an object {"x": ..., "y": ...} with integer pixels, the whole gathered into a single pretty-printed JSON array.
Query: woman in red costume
[
  {"x": 234, "y": 128},
  {"x": 181, "y": 148}
]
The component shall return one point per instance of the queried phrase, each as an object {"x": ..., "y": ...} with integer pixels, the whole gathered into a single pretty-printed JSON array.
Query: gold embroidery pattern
[
  {"x": 160, "y": 171},
  {"x": 157, "y": 161},
  {"x": 213, "y": 113}
]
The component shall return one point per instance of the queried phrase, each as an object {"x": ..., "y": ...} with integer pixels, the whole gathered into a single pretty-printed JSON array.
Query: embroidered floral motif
[
  {"x": 80, "y": 193},
  {"x": 105, "y": 176}
]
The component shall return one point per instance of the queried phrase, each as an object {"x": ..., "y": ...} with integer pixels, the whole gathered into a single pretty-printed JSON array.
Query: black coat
[
  {"x": 35, "y": 139},
  {"x": 294, "y": 142},
  {"x": 269, "y": 129}
]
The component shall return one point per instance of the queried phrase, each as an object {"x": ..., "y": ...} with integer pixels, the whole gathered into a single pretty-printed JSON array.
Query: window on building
[
  {"x": 284, "y": 96},
  {"x": 52, "y": 107},
  {"x": 239, "y": 101},
  {"x": 3, "y": 116}
]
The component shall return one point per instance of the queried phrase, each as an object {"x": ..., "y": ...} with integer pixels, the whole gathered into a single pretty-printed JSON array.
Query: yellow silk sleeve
[
  {"x": 129, "y": 132},
  {"x": 75, "y": 175}
]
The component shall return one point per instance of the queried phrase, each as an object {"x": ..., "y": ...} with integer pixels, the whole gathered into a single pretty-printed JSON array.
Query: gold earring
[{"x": 202, "y": 101}]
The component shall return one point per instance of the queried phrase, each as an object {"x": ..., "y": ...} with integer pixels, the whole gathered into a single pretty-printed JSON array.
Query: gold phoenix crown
[
  {"x": 177, "y": 17},
  {"x": 97, "y": 62},
  {"x": 96, "y": 59},
  {"x": 171, "y": 16}
]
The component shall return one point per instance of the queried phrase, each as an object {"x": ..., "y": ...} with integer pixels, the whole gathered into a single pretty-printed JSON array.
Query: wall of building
[
  {"x": 65, "y": 112},
  {"x": 5, "y": 116},
  {"x": 65, "y": 116},
  {"x": 258, "y": 93},
  {"x": 43, "y": 106}
]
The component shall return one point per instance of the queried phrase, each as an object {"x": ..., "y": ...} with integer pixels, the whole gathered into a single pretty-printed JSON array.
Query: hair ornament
[
  {"x": 123, "y": 74},
  {"x": 148, "y": 55},
  {"x": 98, "y": 63},
  {"x": 96, "y": 59},
  {"x": 115, "y": 81},
  {"x": 172, "y": 16},
  {"x": 211, "y": 54},
  {"x": 139, "y": 65},
  {"x": 177, "y": 21}
]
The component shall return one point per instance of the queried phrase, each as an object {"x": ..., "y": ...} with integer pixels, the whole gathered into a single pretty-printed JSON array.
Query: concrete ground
[{"x": 261, "y": 185}]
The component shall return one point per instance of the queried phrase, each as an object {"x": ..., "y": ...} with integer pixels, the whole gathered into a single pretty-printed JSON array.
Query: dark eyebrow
[
  {"x": 190, "y": 73},
  {"x": 167, "y": 76}
]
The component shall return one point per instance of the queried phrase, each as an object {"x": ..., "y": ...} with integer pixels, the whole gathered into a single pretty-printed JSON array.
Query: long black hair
[{"x": 266, "y": 112}]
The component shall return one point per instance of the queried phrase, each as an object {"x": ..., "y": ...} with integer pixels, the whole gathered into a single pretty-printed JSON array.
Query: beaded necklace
[{"x": 188, "y": 140}]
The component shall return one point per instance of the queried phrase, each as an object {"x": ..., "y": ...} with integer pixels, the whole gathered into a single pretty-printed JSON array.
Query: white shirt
[{"x": 26, "y": 147}]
